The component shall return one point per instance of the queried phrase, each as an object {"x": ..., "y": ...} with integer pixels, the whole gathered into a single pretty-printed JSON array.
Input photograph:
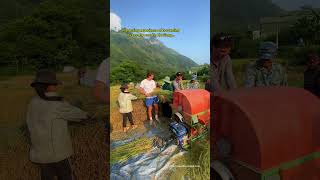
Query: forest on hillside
[{"x": 53, "y": 33}]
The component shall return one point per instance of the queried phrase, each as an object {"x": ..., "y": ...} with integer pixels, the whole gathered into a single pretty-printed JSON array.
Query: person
[
  {"x": 47, "y": 121},
  {"x": 101, "y": 87},
  {"x": 81, "y": 73},
  {"x": 124, "y": 100},
  {"x": 194, "y": 84},
  {"x": 265, "y": 72},
  {"x": 165, "y": 106},
  {"x": 178, "y": 83},
  {"x": 312, "y": 75},
  {"x": 167, "y": 84},
  {"x": 221, "y": 66},
  {"x": 147, "y": 87}
]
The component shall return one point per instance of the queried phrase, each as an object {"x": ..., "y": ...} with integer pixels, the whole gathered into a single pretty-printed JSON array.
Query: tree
[
  {"x": 204, "y": 71},
  {"x": 57, "y": 33},
  {"x": 126, "y": 72},
  {"x": 308, "y": 27}
]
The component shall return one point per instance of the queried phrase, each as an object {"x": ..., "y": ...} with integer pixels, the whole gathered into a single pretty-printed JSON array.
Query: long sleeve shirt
[
  {"x": 222, "y": 75},
  {"x": 47, "y": 123}
]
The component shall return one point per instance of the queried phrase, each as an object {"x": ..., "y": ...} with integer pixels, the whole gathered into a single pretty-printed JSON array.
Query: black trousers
[
  {"x": 126, "y": 116},
  {"x": 61, "y": 170},
  {"x": 166, "y": 110}
]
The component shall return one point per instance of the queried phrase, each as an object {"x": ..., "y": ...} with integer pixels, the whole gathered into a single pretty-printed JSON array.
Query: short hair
[
  {"x": 149, "y": 73},
  {"x": 179, "y": 74}
]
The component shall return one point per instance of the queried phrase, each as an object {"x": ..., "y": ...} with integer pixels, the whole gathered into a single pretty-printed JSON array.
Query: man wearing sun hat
[
  {"x": 265, "y": 71},
  {"x": 47, "y": 120},
  {"x": 167, "y": 85}
]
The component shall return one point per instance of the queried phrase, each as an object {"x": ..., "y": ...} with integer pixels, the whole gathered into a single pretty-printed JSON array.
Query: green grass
[{"x": 198, "y": 155}]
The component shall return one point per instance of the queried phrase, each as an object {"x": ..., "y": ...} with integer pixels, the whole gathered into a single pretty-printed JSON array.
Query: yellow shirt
[{"x": 125, "y": 104}]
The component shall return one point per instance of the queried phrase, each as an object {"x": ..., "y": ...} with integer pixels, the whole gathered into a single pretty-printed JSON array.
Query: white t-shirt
[
  {"x": 148, "y": 86},
  {"x": 103, "y": 72}
]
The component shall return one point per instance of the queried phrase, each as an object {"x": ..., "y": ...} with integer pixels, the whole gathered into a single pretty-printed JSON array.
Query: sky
[{"x": 190, "y": 16}]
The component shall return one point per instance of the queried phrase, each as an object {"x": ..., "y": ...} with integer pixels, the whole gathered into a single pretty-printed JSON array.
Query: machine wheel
[{"x": 220, "y": 171}]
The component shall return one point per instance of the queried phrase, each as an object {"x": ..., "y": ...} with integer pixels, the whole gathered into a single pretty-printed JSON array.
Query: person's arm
[
  {"x": 133, "y": 97},
  {"x": 68, "y": 112},
  {"x": 250, "y": 78},
  {"x": 142, "y": 91},
  {"x": 230, "y": 80}
]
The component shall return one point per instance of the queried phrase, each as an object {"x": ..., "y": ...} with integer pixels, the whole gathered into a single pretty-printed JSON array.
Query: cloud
[{"x": 115, "y": 22}]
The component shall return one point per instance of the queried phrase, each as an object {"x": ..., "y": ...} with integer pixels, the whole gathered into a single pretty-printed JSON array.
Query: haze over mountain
[{"x": 296, "y": 4}]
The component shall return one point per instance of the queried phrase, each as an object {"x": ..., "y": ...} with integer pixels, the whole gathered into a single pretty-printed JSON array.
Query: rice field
[{"x": 91, "y": 151}]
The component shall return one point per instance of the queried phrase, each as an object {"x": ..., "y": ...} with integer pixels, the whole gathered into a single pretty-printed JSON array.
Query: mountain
[
  {"x": 236, "y": 15},
  {"x": 149, "y": 53},
  {"x": 296, "y": 4}
]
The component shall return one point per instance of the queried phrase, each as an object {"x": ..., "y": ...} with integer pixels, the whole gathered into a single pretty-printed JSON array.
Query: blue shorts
[{"x": 151, "y": 101}]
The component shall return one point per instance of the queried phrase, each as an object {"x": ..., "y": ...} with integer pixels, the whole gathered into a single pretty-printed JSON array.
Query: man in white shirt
[
  {"x": 147, "y": 86},
  {"x": 101, "y": 89}
]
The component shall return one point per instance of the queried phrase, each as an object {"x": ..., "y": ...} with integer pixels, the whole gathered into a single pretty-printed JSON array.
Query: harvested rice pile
[
  {"x": 89, "y": 160},
  {"x": 127, "y": 151}
]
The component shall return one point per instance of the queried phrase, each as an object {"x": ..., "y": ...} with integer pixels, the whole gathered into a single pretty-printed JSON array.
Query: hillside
[
  {"x": 150, "y": 54},
  {"x": 13, "y": 9},
  {"x": 296, "y": 4},
  {"x": 52, "y": 33},
  {"x": 236, "y": 15}
]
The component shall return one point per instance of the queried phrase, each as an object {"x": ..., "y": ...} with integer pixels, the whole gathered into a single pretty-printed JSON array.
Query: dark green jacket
[{"x": 167, "y": 86}]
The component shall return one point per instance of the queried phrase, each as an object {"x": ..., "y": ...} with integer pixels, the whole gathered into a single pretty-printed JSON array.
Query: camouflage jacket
[{"x": 260, "y": 77}]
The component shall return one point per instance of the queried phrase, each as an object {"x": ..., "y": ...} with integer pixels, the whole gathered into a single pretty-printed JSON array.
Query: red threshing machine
[
  {"x": 266, "y": 134},
  {"x": 191, "y": 117}
]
